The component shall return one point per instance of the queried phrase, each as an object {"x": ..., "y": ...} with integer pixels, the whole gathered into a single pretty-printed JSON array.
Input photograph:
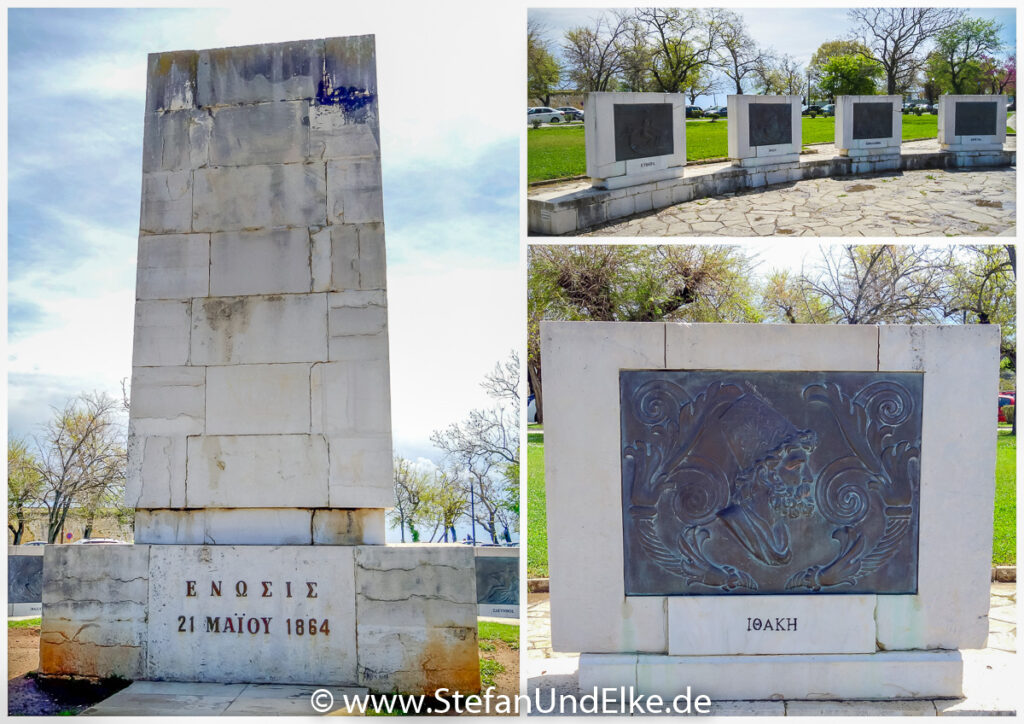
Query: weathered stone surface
[
  {"x": 361, "y": 472},
  {"x": 95, "y": 605},
  {"x": 251, "y": 329},
  {"x": 226, "y": 470},
  {"x": 416, "y": 618},
  {"x": 274, "y": 261},
  {"x": 231, "y": 198},
  {"x": 333, "y": 134},
  {"x": 365, "y": 526},
  {"x": 259, "y": 134},
  {"x": 357, "y": 325},
  {"x": 352, "y": 398},
  {"x": 171, "y": 81},
  {"x": 176, "y": 140},
  {"x": 24, "y": 574},
  {"x": 168, "y": 401},
  {"x": 166, "y": 202},
  {"x": 156, "y": 472},
  {"x": 259, "y": 399},
  {"x": 161, "y": 333},
  {"x": 176, "y": 266},
  {"x": 270, "y": 590},
  {"x": 259, "y": 73},
  {"x": 354, "y": 192},
  {"x": 225, "y": 526},
  {"x": 358, "y": 258}
]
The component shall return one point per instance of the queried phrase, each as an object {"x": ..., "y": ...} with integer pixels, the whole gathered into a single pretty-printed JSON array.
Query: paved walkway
[
  {"x": 991, "y": 675},
  {"x": 893, "y": 203}
]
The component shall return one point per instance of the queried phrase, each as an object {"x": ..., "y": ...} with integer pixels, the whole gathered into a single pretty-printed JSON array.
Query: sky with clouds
[
  {"x": 795, "y": 31},
  {"x": 450, "y": 155}
]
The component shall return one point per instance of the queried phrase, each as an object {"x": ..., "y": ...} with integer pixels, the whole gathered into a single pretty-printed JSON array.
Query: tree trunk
[
  {"x": 20, "y": 530},
  {"x": 534, "y": 373}
]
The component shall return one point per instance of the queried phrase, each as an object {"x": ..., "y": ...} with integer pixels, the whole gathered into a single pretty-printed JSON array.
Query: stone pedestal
[
  {"x": 869, "y": 126},
  {"x": 971, "y": 123},
  {"x": 260, "y": 461},
  {"x": 634, "y": 138},
  {"x": 764, "y": 130}
]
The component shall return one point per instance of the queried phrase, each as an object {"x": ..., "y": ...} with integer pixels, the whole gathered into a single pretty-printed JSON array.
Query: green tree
[
  {"x": 897, "y": 37},
  {"x": 542, "y": 69},
  {"x": 961, "y": 48},
  {"x": 852, "y": 75},
  {"x": 410, "y": 487},
  {"x": 683, "y": 40},
  {"x": 787, "y": 298},
  {"x": 24, "y": 486},
  {"x": 444, "y": 501},
  {"x": 827, "y": 51},
  {"x": 983, "y": 280},
  {"x": 81, "y": 455},
  {"x": 696, "y": 283}
]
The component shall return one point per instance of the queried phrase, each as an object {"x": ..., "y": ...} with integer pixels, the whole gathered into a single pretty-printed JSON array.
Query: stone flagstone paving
[
  {"x": 909, "y": 203},
  {"x": 991, "y": 676}
]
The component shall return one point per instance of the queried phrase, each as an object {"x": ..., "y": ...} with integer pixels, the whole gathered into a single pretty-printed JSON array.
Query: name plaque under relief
[{"x": 770, "y": 482}]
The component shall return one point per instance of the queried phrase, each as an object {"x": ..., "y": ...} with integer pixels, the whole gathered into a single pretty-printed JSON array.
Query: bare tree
[
  {"x": 683, "y": 41},
  {"x": 485, "y": 447},
  {"x": 984, "y": 291},
  {"x": 896, "y": 38},
  {"x": 635, "y": 56},
  {"x": 592, "y": 53},
  {"x": 81, "y": 455},
  {"x": 410, "y": 486},
  {"x": 884, "y": 283},
  {"x": 738, "y": 54}
]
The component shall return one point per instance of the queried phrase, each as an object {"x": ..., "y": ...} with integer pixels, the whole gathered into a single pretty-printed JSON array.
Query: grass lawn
[
  {"x": 559, "y": 152},
  {"x": 25, "y": 623},
  {"x": 1004, "y": 540},
  {"x": 536, "y": 509}
]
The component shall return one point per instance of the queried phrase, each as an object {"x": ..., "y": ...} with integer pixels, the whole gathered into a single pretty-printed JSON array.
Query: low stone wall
[
  {"x": 390, "y": 618},
  {"x": 576, "y": 207}
]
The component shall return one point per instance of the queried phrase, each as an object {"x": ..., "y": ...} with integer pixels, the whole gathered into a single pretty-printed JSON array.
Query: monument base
[
  {"x": 756, "y": 161},
  {"x": 621, "y": 182},
  {"x": 962, "y": 156},
  {"x": 883, "y": 675},
  {"x": 390, "y": 618}
]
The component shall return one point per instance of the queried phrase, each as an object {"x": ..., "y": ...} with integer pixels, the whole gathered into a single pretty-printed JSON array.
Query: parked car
[
  {"x": 694, "y": 112},
  {"x": 829, "y": 109},
  {"x": 721, "y": 111},
  {"x": 35, "y": 543},
  {"x": 571, "y": 114},
  {"x": 1005, "y": 398},
  {"x": 812, "y": 110},
  {"x": 543, "y": 114},
  {"x": 922, "y": 108}
]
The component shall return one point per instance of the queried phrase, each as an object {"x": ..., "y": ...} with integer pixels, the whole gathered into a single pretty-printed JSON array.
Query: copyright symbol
[{"x": 322, "y": 700}]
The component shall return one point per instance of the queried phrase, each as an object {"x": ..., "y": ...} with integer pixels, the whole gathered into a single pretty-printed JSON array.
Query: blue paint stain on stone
[{"x": 350, "y": 98}]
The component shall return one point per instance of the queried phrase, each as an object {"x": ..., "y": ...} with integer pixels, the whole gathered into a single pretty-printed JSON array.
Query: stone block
[
  {"x": 583, "y": 464},
  {"x": 350, "y": 63},
  {"x": 354, "y": 192},
  {"x": 908, "y": 707},
  {"x": 268, "y": 261},
  {"x": 176, "y": 266},
  {"x": 260, "y": 399},
  {"x": 166, "y": 202},
  {"x": 348, "y": 527},
  {"x": 161, "y": 333},
  {"x": 264, "y": 133},
  {"x": 682, "y": 193},
  {"x": 416, "y": 618},
  {"x": 372, "y": 264},
  {"x": 201, "y": 595},
  {"x": 176, "y": 140},
  {"x": 320, "y": 259},
  {"x": 885, "y": 675},
  {"x": 771, "y": 347},
  {"x": 617, "y": 208},
  {"x": 642, "y": 202},
  {"x": 168, "y": 401},
  {"x": 790, "y": 624},
  {"x": 156, "y": 471},
  {"x": 95, "y": 606},
  {"x": 357, "y": 313},
  {"x": 606, "y": 671},
  {"x": 246, "y": 330},
  {"x": 352, "y": 398},
  {"x": 960, "y": 365},
  {"x": 224, "y": 526},
  {"x": 259, "y": 73},
  {"x": 361, "y": 474},
  {"x": 335, "y": 132},
  {"x": 254, "y": 471},
  {"x": 232, "y": 198},
  {"x": 171, "y": 81},
  {"x": 661, "y": 198}
]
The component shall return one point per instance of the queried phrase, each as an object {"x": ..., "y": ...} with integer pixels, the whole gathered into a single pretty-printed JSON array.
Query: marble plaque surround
[{"x": 770, "y": 482}]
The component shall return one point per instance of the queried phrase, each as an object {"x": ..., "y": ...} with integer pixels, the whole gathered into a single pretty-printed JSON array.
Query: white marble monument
[
  {"x": 764, "y": 130},
  {"x": 869, "y": 125},
  {"x": 260, "y": 460},
  {"x": 814, "y": 640},
  {"x": 634, "y": 138},
  {"x": 972, "y": 123}
]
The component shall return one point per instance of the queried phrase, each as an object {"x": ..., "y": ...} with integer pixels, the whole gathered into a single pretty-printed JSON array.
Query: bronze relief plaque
[
  {"x": 771, "y": 124},
  {"x": 975, "y": 118},
  {"x": 642, "y": 130},
  {"x": 872, "y": 120},
  {"x": 770, "y": 482}
]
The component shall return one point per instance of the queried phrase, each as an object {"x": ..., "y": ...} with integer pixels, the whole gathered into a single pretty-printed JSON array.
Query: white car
[
  {"x": 543, "y": 114},
  {"x": 99, "y": 541}
]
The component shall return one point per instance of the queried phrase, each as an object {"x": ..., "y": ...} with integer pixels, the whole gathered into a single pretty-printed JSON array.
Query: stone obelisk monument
[{"x": 260, "y": 426}]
